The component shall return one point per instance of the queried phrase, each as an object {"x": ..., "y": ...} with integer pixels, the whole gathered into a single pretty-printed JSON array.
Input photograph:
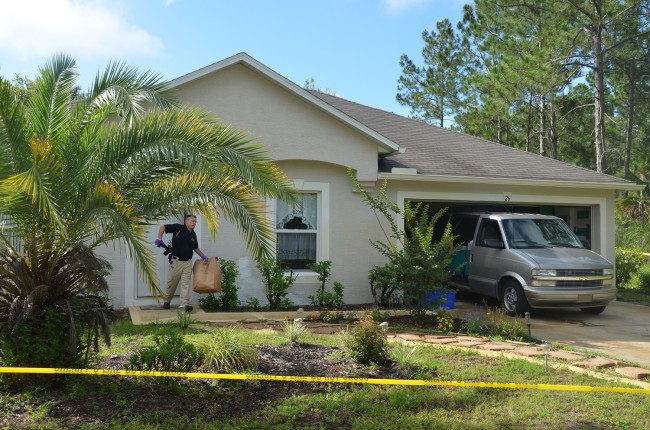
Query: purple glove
[
  {"x": 159, "y": 243},
  {"x": 205, "y": 258}
]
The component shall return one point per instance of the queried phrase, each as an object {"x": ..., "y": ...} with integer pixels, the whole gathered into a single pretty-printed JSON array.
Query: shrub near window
[
  {"x": 228, "y": 298},
  {"x": 276, "y": 283},
  {"x": 326, "y": 299}
]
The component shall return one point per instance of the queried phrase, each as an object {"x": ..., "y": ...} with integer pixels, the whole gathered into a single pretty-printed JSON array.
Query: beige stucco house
[{"x": 314, "y": 137}]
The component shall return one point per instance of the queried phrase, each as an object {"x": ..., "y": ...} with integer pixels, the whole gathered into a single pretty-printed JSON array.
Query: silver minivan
[{"x": 532, "y": 261}]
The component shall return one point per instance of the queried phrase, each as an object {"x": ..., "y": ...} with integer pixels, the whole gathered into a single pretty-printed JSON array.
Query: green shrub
[
  {"x": 228, "y": 298},
  {"x": 500, "y": 326},
  {"x": 210, "y": 302},
  {"x": 276, "y": 283},
  {"x": 253, "y": 303},
  {"x": 41, "y": 341},
  {"x": 640, "y": 280},
  {"x": 171, "y": 353},
  {"x": 383, "y": 284},
  {"x": 403, "y": 356},
  {"x": 224, "y": 352},
  {"x": 229, "y": 272},
  {"x": 366, "y": 342},
  {"x": 418, "y": 257},
  {"x": 445, "y": 321},
  {"x": 627, "y": 264},
  {"x": 293, "y": 330},
  {"x": 326, "y": 299}
]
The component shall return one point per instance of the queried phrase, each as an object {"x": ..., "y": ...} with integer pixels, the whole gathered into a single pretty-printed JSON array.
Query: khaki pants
[{"x": 180, "y": 271}]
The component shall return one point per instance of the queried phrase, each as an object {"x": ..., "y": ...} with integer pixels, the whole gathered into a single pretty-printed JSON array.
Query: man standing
[{"x": 184, "y": 243}]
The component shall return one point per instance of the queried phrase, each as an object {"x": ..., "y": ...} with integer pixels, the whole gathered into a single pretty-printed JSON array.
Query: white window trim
[{"x": 323, "y": 236}]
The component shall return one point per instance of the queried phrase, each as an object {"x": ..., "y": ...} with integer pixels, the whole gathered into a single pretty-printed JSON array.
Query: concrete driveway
[{"x": 621, "y": 332}]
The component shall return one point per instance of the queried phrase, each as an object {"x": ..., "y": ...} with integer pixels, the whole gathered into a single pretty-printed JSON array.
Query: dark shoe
[
  {"x": 188, "y": 308},
  {"x": 166, "y": 305}
]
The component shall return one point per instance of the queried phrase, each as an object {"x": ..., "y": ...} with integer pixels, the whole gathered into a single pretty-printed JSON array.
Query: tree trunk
[
  {"x": 553, "y": 127},
  {"x": 499, "y": 137},
  {"x": 630, "y": 121},
  {"x": 599, "y": 90},
  {"x": 542, "y": 125}
]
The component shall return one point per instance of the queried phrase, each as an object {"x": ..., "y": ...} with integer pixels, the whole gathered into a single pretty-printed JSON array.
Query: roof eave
[
  {"x": 387, "y": 145},
  {"x": 510, "y": 181}
]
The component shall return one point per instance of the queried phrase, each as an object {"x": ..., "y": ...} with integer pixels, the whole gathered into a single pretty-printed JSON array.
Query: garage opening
[{"x": 578, "y": 218}]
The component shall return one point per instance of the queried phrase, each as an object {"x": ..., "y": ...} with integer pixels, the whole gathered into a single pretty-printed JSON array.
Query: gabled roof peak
[{"x": 386, "y": 145}]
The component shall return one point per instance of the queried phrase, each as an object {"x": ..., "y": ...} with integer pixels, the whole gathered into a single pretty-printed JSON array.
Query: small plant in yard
[
  {"x": 640, "y": 280},
  {"x": 253, "y": 303},
  {"x": 210, "y": 302},
  {"x": 499, "y": 325},
  {"x": 475, "y": 322},
  {"x": 294, "y": 330},
  {"x": 228, "y": 298},
  {"x": 403, "y": 356},
  {"x": 229, "y": 289},
  {"x": 171, "y": 353},
  {"x": 419, "y": 315},
  {"x": 378, "y": 315},
  {"x": 223, "y": 351},
  {"x": 444, "y": 321},
  {"x": 276, "y": 283},
  {"x": 326, "y": 299},
  {"x": 366, "y": 342},
  {"x": 327, "y": 316}
]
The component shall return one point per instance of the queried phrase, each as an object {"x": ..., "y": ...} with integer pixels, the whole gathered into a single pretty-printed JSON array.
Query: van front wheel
[{"x": 513, "y": 299}]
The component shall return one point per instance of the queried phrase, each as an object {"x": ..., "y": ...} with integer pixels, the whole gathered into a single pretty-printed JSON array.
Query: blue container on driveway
[{"x": 445, "y": 299}]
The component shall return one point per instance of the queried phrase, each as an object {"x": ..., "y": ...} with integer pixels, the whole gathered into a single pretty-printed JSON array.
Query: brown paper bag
[{"x": 207, "y": 276}]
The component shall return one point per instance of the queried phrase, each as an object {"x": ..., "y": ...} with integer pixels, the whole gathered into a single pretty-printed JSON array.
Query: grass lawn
[{"x": 110, "y": 402}]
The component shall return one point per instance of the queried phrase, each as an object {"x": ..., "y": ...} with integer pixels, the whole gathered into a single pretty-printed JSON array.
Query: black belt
[{"x": 181, "y": 259}]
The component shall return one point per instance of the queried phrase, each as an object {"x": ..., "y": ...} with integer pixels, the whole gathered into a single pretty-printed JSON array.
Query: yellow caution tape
[
  {"x": 635, "y": 252},
  {"x": 322, "y": 379}
]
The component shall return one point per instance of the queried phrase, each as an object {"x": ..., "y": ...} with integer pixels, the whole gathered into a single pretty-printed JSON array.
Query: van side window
[{"x": 489, "y": 235}]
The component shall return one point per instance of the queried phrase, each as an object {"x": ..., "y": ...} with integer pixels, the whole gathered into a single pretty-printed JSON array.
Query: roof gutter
[{"x": 630, "y": 186}]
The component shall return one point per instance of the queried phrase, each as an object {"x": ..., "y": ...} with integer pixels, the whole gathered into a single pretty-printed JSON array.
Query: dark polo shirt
[{"x": 184, "y": 242}]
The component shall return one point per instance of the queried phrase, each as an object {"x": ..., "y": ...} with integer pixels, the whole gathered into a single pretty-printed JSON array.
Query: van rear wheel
[{"x": 513, "y": 300}]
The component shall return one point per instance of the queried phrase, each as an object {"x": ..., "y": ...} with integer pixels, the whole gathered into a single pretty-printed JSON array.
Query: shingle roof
[{"x": 438, "y": 151}]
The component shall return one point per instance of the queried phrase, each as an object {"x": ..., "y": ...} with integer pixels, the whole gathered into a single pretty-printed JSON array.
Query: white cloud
[
  {"x": 397, "y": 6},
  {"x": 84, "y": 28}
]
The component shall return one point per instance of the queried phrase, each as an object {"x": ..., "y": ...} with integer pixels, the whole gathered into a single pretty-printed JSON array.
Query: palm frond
[
  {"x": 13, "y": 141},
  {"x": 126, "y": 92},
  {"x": 51, "y": 98}
]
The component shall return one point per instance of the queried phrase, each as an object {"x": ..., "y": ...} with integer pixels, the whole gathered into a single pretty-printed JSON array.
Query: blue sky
[{"x": 350, "y": 47}]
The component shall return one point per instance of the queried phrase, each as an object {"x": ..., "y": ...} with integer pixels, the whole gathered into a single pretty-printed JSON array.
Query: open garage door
[{"x": 578, "y": 218}]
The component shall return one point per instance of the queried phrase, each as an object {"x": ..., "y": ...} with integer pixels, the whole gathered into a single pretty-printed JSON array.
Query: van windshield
[{"x": 539, "y": 233}]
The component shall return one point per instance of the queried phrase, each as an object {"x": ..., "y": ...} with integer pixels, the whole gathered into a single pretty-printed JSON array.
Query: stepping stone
[
  {"x": 564, "y": 355},
  {"x": 408, "y": 336},
  {"x": 325, "y": 330},
  {"x": 442, "y": 340},
  {"x": 433, "y": 337},
  {"x": 467, "y": 343},
  {"x": 497, "y": 346},
  {"x": 633, "y": 372},
  {"x": 597, "y": 363},
  {"x": 528, "y": 351},
  {"x": 471, "y": 339}
]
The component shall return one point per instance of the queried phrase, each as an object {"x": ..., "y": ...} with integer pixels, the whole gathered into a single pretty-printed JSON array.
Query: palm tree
[{"x": 78, "y": 171}]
